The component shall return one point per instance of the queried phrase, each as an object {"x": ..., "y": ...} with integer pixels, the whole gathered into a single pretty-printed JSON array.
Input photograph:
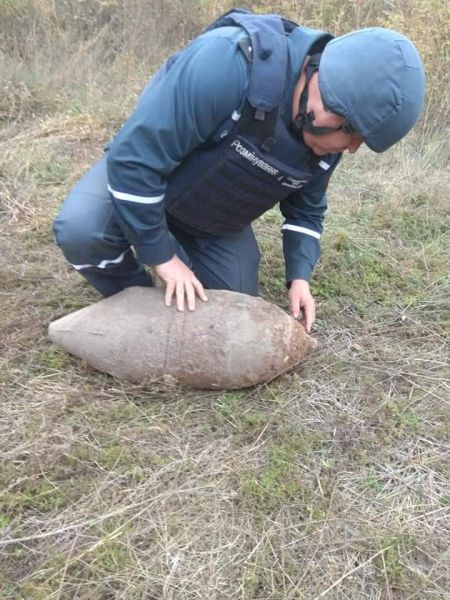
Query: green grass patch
[
  {"x": 392, "y": 560},
  {"x": 402, "y": 415},
  {"x": 413, "y": 227},
  {"x": 273, "y": 485},
  {"x": 233, "y": 409},
  {"x": 45, "y": 496},
  {"x": 51, "y": 358},
  {"x": 362, "y": 274},
  {"x": 109, "y": 554},
  {"x": 114, "y": 456},
  {"x": 281, "y": 480}
]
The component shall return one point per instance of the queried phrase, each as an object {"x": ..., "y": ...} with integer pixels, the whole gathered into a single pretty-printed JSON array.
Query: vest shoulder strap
[{"x": 267, "y": 52}]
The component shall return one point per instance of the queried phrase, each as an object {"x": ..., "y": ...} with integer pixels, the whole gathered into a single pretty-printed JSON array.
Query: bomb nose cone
[{"x": 231, "y": 341}]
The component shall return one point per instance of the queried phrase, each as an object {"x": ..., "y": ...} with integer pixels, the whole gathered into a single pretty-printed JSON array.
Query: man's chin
[
  {"x": 318, "y": 152},
  {"x": 313, "y": 148}
]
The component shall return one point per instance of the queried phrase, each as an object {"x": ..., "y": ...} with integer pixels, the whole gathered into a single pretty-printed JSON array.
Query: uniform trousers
[{"x": 89, "y": 234}]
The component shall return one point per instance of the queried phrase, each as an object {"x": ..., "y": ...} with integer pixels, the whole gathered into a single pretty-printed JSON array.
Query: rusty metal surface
[{"x": 231, "y": 341}]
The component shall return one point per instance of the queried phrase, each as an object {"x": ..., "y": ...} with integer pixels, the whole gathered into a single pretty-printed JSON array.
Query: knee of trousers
[
  {"x": 79, "y": 241},
  {"x": 69, "y": 236}
]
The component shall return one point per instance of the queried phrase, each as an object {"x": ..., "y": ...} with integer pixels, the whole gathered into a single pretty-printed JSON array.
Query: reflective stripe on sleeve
[
  {"x": 310, "y": 232},
  {"x": 103, "y": 264},
  {"x": 133, "y": 198}
]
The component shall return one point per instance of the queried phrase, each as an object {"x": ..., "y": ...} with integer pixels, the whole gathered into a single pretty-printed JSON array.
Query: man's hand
[
  {"x": 302, "y": 302},
  {"x": 181, "y": 281}
]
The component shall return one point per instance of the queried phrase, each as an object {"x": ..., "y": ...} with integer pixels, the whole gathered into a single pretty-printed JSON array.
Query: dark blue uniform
[{"x": 208, "y": 149}]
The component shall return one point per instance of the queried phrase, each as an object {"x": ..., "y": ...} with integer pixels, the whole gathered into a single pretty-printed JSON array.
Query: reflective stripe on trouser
[
  {"x": 92, "y": 241},
  {"x": 88, "y": 234}
]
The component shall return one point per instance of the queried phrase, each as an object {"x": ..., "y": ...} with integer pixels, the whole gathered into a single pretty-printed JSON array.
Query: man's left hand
[{"x": 302, "y": 303}]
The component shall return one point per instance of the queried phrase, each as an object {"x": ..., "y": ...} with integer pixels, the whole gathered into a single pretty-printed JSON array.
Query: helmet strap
[{"x": 304, "y": 120}]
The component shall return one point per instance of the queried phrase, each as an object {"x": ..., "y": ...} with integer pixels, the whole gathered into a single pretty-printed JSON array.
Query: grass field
[{"x": 329, "y": 482}]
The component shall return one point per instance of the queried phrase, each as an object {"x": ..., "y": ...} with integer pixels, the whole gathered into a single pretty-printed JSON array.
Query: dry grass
[{"x": 330, "y": 482}]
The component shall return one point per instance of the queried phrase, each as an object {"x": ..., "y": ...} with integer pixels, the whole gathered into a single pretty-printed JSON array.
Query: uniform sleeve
[
  {"x": 176, "y": 113},
  {"x": 304, "y": 213}
]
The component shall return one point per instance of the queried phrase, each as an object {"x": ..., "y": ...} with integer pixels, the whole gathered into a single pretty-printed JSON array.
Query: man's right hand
[{"x": 181, "y": 281}]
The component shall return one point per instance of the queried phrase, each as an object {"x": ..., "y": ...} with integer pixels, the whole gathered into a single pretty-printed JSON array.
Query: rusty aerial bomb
[{"x": 230, "y": 342}]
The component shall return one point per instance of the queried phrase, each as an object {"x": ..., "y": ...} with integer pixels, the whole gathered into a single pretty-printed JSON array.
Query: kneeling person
[{"x": 255, "y": 112}]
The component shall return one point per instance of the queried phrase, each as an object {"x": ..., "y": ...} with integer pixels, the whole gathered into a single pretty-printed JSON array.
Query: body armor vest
[{"x": 224, "y": 185}]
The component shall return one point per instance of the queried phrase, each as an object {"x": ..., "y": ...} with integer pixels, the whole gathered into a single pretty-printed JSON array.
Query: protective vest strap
[{"x": 269, "y": 49}]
